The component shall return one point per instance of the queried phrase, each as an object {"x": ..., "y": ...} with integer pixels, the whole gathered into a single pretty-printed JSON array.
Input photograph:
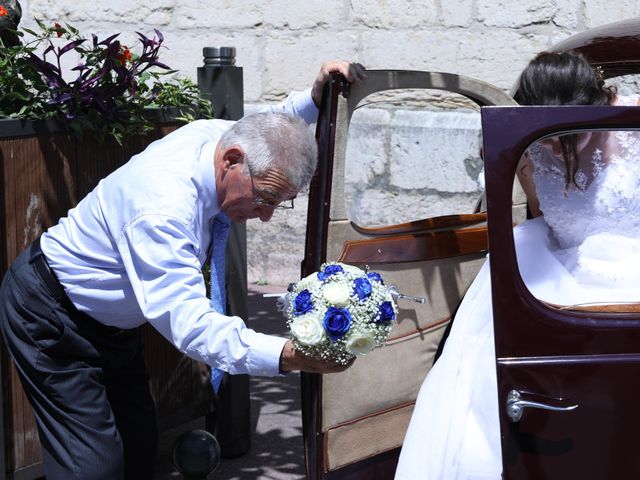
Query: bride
[{"x": 583, "y": 246}]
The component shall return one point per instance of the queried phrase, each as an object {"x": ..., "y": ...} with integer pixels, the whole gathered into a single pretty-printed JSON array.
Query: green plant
[
  {"x": 106, "y": 92},
  {"x": 183, "y": 95}
]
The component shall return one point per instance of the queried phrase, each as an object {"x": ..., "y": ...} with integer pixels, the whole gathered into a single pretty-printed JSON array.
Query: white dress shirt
[{"x": 132, "y": 250}]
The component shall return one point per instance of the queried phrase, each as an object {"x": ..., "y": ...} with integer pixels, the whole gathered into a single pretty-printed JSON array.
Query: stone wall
[{"x": 407, "y": 159}]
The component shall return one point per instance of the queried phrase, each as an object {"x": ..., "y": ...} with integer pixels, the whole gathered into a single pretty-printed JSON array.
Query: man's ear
[{"x": 232, "y": 157}]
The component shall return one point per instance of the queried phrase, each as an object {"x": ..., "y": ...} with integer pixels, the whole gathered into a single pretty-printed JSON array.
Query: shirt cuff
[
  {"x": 264, "y": 354},
  {"x": 304, "y": 107}
]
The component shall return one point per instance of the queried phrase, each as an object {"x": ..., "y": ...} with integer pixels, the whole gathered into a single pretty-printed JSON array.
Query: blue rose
[
  {"x": 362, "y": 288},
  {"x": 375, "y": 277},
  {"x": 385, "y": 313},
  {"x": 328, "y": 271},
  {"x": 303, "y": 303},
  {"x": 337, "y": 322}
]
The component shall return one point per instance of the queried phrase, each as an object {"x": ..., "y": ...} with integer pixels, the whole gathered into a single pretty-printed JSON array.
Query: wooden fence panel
[{"x": 42, "y": 177}]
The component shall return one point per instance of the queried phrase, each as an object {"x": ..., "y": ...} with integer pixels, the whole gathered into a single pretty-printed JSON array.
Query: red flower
[
  {"x": 124, "y": 56},
  {"x": 3, "y": 12},
  {"x": 58, "y": 29}
]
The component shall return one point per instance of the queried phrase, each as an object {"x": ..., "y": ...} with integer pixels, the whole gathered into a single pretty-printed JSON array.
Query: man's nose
[{"x": 265, "y": 213}]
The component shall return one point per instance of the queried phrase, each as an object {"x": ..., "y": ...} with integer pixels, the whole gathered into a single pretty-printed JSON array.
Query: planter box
[{"x": 45, "y": 171}]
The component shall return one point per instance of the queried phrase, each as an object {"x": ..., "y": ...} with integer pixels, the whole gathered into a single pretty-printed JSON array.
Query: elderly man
[{"x": 131, "y": 252}]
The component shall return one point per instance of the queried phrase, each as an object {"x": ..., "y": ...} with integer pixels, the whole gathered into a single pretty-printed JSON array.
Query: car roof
[{"x": 615, "y": 47}]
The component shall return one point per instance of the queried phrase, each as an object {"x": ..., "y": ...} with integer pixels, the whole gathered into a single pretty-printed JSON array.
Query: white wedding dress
[{"x": 586, "y": 249}]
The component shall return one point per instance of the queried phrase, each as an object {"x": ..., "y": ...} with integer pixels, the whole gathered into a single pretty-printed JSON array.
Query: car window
[
  {"x": 583, "y": 252},
  {"x": 412, "y": 154},
  {"x": 626, "y": 84}
]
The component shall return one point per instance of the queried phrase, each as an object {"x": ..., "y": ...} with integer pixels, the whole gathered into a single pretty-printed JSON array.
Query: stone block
[
  {"x": 269, "y": 14},
  {"x": 497, "y": 56},
  {"x": 280, "y": 14},
  {"x": 494, "y": 55},
  {"x": 431, "y": 150},
  {"x": 218, "y": 15},
  {"x": 367, "y": 146},
  {"x": 408, "y": 49},
  {"x": 109, "y": 11},
  {"x": 505, "y": 13},
  {"x": 627, "y": 85},
  {"x": 601, "y": 12},
  {"x": 291, "y": 62},
  {"x": 569, "y": 14},
  {"x": 394, "y": 13},
  {"x": 382, "y": 207},
  {"x": 457, "y": 14}
]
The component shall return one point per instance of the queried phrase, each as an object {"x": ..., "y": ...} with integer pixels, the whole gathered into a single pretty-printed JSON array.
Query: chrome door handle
[
  {"x": 393, "y": 291},
  {"x": 515, "y": 406}
]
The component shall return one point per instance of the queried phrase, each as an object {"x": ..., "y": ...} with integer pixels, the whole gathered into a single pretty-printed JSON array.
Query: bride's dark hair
[{"x": 563, "y": 78}]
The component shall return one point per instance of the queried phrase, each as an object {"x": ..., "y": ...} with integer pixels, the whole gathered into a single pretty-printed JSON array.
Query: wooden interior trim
[
  {"x": 416, "y": 248},
  {"x": 373, "y": 414},
  {"x": 419, "y": 226},
  {"x": 631, "y": 307}
]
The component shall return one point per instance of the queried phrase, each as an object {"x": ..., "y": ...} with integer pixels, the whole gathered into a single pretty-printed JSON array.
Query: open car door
[
  {"x": 567, "y": 377},
  {"x": 354, "y": 422},
  {"x": 577, "y": 365}
]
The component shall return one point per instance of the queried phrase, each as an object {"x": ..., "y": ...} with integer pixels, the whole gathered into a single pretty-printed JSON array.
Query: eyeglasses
[{"x": 267, "y": 199}]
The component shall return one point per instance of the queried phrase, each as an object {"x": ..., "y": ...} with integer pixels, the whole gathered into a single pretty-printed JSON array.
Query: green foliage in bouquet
[{"x": 106, "y": 93}]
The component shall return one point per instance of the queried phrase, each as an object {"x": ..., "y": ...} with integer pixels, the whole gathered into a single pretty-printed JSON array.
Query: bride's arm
[{"x": 525, "y": 175}]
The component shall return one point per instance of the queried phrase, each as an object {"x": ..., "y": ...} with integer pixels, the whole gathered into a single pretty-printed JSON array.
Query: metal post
[{"x": 222, "y": 82}]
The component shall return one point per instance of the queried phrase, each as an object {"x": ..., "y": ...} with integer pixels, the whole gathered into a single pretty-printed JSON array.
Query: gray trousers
[{"x": 87, "y": 382}]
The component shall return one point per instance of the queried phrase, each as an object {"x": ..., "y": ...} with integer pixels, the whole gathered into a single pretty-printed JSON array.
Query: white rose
[
  {"x": 337, "y": 294},
  {"x": 352, "y": 269},
  {"x": 307, "y": 282},
  {"x": 308, "y": 329},
  {"x": 360, "y": 343}
]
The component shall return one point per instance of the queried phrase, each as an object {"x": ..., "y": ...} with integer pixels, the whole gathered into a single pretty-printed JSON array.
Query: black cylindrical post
[{"x": 220, "y": 80}]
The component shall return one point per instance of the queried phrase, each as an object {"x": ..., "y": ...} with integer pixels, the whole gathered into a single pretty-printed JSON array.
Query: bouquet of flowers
[{"x": 340, "y": 312}]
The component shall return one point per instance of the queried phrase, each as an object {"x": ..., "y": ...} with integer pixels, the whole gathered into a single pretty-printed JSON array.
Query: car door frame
[{"x": 339, "y": 102}]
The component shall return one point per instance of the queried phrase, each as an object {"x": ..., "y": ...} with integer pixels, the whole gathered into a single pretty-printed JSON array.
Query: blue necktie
[{"x": 219, "y": 234}]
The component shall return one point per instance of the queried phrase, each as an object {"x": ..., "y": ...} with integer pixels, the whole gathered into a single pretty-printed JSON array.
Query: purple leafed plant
[{"x": 108, "y": 89}]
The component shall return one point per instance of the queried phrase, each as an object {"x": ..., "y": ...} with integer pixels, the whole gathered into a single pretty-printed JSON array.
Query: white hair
[{"x": 275, "y": 141}]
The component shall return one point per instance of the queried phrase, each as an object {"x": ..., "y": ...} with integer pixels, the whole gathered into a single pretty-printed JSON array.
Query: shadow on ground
[{"x": 276, "y": 443}]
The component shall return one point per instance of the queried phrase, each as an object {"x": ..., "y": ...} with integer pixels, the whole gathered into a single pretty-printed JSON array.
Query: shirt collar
[{"x": 209, "y": 195}]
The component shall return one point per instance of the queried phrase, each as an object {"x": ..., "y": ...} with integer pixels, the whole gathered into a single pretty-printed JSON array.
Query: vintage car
[{"x": 548, "y": 359}]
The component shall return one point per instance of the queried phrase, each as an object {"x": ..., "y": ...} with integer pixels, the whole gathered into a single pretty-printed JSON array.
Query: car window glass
[
  {"x": 584, "y": 250},
  {"x": 412, "y": 154},
  {"x": 626, "y": 84}
]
